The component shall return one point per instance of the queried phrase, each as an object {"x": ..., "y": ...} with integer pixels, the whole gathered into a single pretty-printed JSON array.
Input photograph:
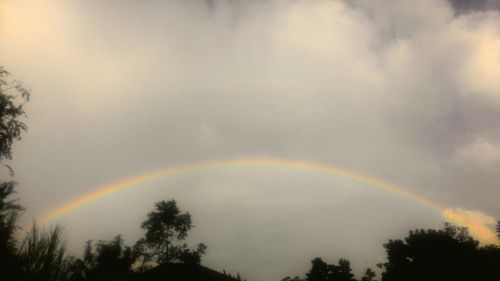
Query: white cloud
[{"x": 480, "y": 74}]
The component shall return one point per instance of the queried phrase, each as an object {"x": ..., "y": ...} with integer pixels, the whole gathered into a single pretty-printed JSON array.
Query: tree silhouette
[
  {"x": 342, "y": 271},
  {"x": 446, "y": 254},
  {"x": 108, "y": 260},
  {"x": 12, "y": 98},
  {"x": 9, "y": 214},
  {"x": 498, "y": 230},
  {"x": 369, "y": 275},
  {"x": 296, "y": 278},
  {"x": 165, "y": 227},
  {"x": 43, "y": 255},
  {"x": 321, "y": 271},
  {"x": 318, "y": 271}
]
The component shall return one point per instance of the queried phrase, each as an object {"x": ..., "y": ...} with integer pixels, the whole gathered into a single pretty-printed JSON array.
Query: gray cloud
[{"x": 467, "y": 6}]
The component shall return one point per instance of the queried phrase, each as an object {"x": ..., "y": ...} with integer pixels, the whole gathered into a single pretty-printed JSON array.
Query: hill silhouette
[{"x": 182, "y": 272}]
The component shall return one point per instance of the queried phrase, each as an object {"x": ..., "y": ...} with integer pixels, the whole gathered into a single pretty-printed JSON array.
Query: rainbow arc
[{"x": 106, "y": 190}]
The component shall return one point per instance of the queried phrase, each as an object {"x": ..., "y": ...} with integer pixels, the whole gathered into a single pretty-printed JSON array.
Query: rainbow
[
  {"x": 106, "y": 190},
  {"x": 479, "y": 224}
]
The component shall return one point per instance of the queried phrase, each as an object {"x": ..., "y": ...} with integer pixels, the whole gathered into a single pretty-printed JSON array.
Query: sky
[{"x": 404, "y": 91}]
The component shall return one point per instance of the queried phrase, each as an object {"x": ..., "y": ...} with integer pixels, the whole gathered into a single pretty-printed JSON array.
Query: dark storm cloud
[{"x": 467, "y": 6}]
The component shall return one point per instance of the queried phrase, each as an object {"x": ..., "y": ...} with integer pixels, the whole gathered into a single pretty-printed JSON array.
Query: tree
[
  {"x": 369, "y": 275},
  {"x": 318, "y": 271},
  {"x": 43, "y": 255},
  {"x": 342, "y": 271},
  {"x": 9, "y": 214},
  {"x": 12, "y": 98},
  {"x": 165, "y": 226},
  {"x": 498, "y": 230},
  {"x": 108, "y": 260},
  {"x": 296, "y": 278},
  {"x": 321, "y": 271},
  {"x": 445, "y": 254},
  {"x": 192, "y": 256}
]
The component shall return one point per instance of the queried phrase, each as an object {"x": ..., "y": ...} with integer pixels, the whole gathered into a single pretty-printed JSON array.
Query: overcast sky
[{"x": 406, "y": 91}]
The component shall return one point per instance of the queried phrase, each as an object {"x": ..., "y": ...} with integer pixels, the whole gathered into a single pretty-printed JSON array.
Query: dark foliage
[
  {"x": 9, "y": 214},
  {"x": 321, "y": 271},
  {"x": 108, "y": 260},
  {"x": 446, "y": 254},
  {"x": 165, "y": 227},
  {"x": 12, "y": 98},
  {"x": 498, "y": 230},
  {"x": 296, "y": 278},
  {"x": 369, "y": 275},
  {"x": 43, "y": 255}
]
